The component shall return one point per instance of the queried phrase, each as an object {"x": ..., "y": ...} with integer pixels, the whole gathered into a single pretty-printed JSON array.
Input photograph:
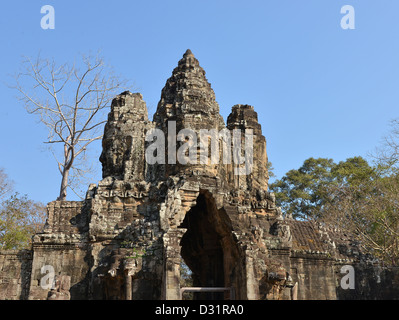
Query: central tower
[
  {"x": 187, "y": 104},
  {"x": 140, "y": 222}
]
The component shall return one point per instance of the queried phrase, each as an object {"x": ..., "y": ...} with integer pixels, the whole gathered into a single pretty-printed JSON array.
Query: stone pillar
[
  {"x": 172, "y": 260},
  {"x": 252, "y": 290},
  {"x": 294, "y": 292},
  {"x": 131, "y": 266},
  {"x": 128, "y": 286}
]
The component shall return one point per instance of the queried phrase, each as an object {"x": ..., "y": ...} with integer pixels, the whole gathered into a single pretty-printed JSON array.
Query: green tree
[
  {"x": 301, "y": 192},
  {"x": 352, "y": 195},
  {"x": 270, "y": 169},
  {"x": 354, "y": 171},
  {"x": 20, "y": 219},
  {"x": 366, "y": 204},
  {"x": 304, "y": 192}
]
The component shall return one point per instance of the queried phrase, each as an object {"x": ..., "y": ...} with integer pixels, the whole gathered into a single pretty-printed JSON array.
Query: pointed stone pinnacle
[{"x": 188, "y": 53}]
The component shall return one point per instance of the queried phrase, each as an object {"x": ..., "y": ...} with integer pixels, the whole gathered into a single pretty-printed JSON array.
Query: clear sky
[{"x": 319, "y": 90}]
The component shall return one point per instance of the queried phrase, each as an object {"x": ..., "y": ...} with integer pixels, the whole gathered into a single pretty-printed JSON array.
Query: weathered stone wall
[
  {"x": 15, "y": 268},
  {"x": 125, "y": 241},
  {"x": 63, "y": 247},
  {"x": 128, "y": 238},
  {"x": 320, "y": 258},
  {"x": 67, "y": 222},
  {"x": 66, "y": 260},
  {"x": 372, "y": 282},
  {"x": 314, "y": 276}
]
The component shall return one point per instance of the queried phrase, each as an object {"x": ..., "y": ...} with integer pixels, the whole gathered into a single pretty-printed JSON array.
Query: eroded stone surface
[{"x": 127, "y": 239}]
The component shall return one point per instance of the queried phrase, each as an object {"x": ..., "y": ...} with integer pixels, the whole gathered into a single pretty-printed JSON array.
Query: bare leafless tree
[
  {"x": 387, "y": 153},
  {"x": 71, "y": 101},
  {"x": 370, "y": 212},
  {"x": 6, "y": 185}
]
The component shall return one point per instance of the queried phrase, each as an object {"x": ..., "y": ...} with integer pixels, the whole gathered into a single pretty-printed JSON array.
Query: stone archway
[{"x": 208, "y": 248}]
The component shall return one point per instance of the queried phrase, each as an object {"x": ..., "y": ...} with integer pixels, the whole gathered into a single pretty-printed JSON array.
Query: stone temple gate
[{"x": 127, "y": 239}]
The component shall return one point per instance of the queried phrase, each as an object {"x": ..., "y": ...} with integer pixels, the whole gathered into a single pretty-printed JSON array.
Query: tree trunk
[
  {"x": 69, "y": 157},
  {"x": 64, "y": 185}
]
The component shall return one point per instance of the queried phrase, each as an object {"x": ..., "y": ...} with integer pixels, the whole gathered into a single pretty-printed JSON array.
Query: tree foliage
[
  {"x": 304, "y": 192},
  {"x": 368, "y": 206},
  {"x": 20, "y": 218},
  {"x": 351, "y": 195},
  {"x": 370, "y": 211}
]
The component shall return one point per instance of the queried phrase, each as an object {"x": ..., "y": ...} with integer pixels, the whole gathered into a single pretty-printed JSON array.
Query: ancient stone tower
[{"x": 127, "y": 239}]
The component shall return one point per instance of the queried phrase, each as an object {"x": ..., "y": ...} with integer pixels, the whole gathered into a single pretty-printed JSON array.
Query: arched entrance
[{"x": 208, "y": 248}]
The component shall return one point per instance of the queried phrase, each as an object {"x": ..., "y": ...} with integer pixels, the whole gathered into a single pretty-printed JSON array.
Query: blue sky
[{"x": 319, "y": 90}]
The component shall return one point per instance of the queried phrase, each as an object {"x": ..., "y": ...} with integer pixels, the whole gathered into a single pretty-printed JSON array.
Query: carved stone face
[
  {"x": 123, "y": 141},
  {"x": 226, "y": 228}
]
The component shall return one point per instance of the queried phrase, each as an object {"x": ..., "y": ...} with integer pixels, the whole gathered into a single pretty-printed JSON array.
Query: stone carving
[
  {"x": 62, "y": 285},
  {"x": 127, "y": 239}
]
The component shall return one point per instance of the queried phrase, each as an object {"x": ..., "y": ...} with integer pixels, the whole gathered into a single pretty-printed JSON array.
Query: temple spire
[
  {"x": 188, "y": 101},
  {"x": 187, "y": 92},
  {"x": 188, "y": 53}
]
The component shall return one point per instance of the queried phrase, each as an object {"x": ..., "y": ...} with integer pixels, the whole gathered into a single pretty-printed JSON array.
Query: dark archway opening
[{"x": 204, "y": 249}]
